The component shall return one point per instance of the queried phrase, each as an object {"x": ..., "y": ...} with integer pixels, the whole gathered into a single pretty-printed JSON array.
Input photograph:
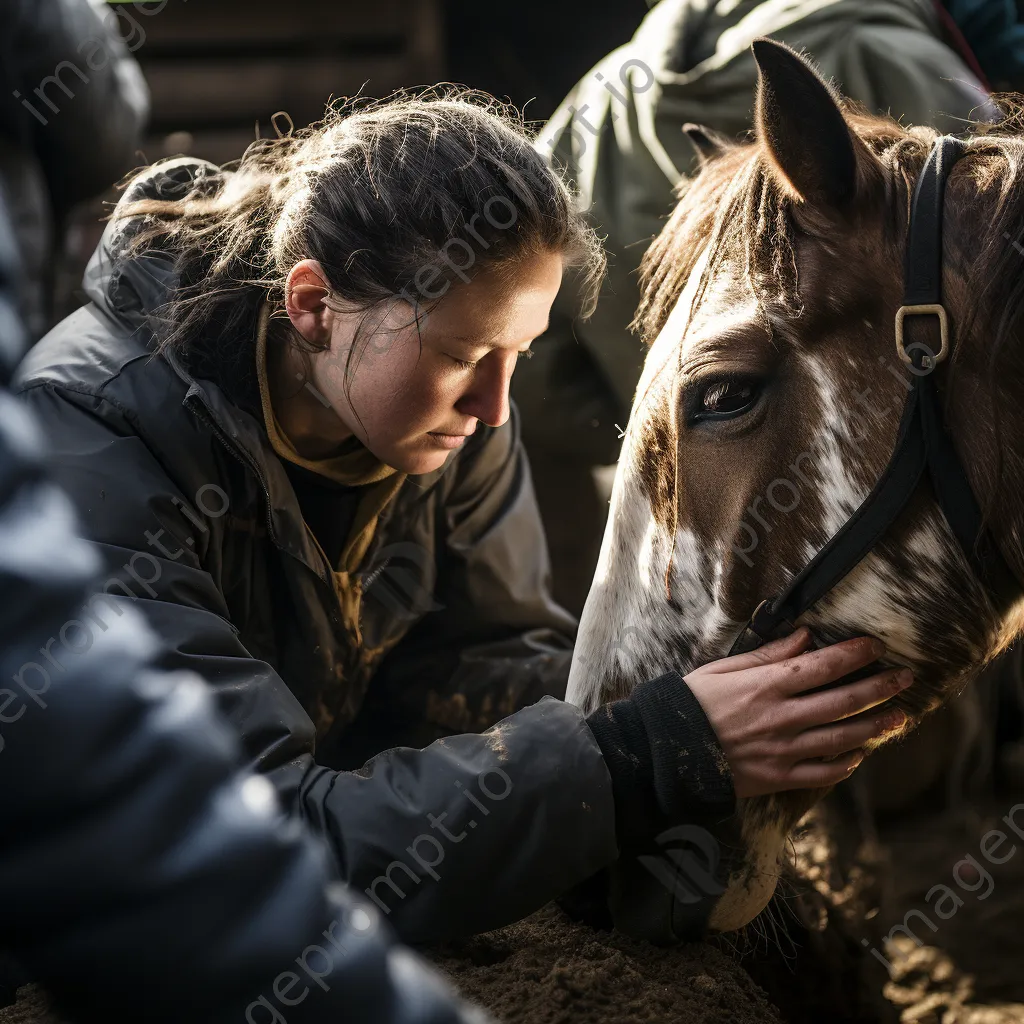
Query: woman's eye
[
  {"x": 466, "y": 364},
  {"x": 725, "y": 398}
]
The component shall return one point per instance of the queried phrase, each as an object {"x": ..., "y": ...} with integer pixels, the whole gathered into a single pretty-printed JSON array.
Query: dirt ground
[
  {"x": 548, "y": 970},
  {"x": 816, "y": 966},
  {"x": 971, "y": 968},
  {"x": 811, "y": 967}
]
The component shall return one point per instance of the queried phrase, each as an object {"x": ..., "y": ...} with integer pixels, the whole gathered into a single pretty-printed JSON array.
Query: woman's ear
[{"x": 305, "y": 294}]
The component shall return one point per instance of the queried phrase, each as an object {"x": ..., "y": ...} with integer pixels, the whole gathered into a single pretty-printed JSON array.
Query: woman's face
[{"x": 413, "y": 396}]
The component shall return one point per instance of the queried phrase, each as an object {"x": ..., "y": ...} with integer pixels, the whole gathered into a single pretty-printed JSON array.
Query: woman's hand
[{"x": 775, "y": 735}]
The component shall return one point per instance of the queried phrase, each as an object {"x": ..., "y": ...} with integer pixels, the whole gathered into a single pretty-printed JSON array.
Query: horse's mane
[{"x": 737, "y": 204}]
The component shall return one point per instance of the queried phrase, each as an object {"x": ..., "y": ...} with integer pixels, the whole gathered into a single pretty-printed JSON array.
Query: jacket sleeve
[
  {"x": 146, "y": 876},
  {"x": 404, "y": 829},
  {"x": 498, "y": 641},
  {"x": 911, "y": 74},
  {"x": 73, "y": 67}
]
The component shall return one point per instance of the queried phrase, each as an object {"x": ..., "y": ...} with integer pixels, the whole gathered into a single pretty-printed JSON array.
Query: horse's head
[{"x": 769, "y": 407}]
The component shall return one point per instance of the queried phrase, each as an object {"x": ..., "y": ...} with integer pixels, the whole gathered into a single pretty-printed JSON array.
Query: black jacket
[
  {"x": 197, "y": 526},
  {"x": 72, "y": 106},
  {"x": 144, "y": 876}
]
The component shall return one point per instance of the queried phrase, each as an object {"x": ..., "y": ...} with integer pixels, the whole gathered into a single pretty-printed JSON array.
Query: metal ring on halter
[{"x": 939, "y": 310}]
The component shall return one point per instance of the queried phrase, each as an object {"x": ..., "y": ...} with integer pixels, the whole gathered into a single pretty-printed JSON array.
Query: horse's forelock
[
  {"x": 991, "y": 191},
  {"x": 713, "y": 214}
]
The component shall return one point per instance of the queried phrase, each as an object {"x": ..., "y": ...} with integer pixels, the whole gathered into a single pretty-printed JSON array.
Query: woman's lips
[{"x": 448, "y": 440}]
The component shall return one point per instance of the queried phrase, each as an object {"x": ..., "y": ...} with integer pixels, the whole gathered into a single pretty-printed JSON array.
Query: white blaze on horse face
[
  {"x": 629, "y": 631},
  {"x": 616, "y": 631}
]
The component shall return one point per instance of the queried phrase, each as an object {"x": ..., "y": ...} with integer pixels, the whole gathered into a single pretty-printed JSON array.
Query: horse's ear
[
  {"x": 799, "y": 123},
  {"x": 706, "y": 141}
]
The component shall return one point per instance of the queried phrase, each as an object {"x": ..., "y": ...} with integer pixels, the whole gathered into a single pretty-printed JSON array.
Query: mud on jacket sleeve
[{"x": 145, "y": 876}]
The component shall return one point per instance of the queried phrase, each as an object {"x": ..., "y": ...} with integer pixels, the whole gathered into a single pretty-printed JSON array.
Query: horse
[{"x": 770, "y": 405}]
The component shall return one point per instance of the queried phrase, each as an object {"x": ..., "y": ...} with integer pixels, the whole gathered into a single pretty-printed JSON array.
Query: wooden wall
[{"x": 217, "y": 67}]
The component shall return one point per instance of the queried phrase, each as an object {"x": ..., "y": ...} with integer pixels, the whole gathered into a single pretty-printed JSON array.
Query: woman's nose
[{"x": 487, "y": 397}]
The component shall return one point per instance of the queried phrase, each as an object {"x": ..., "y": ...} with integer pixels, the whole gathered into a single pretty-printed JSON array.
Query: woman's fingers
[
  {"x": 768, "y": 654},
  {"x": 833, "y": 740},
  {"x": 847, "y": 700},
  {"x": 818, "y": 774},
  {"x": 817, "y": 668},
  {"x": 783, "y": 721}
]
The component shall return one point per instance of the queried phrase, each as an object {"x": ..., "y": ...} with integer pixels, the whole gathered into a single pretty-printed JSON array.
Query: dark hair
[{"x": 379, "y": 192}]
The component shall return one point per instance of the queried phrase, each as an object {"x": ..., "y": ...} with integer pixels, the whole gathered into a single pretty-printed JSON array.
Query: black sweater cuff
[{"x": 664, "y": 758}]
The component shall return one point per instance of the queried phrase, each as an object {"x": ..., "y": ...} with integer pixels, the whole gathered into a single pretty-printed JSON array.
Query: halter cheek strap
[{"x": 922, "y": 445}]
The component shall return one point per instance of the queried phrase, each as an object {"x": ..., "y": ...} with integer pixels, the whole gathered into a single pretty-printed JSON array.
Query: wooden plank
[
  {"x": 187, "y": 21},
  {"x": 216, "y": 67},
  {"x": 426, "y": 42},
  {"x": 193, "y": 91}
]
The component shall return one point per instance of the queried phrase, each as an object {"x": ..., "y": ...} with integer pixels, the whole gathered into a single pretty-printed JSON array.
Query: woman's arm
[
  {"x": 476, "y": 830},
  {"x": 146, "y": 876},
  {"x": 405, "y": 830},
  {"x": 498, "y": 642}
]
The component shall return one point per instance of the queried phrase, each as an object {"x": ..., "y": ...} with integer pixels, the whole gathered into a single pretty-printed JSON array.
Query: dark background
[
  {"x": 219, "y": 70},
  {"x": 217, "y": 67}
]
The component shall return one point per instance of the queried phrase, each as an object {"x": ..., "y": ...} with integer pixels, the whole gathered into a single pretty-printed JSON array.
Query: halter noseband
[{"x": 922, "y": 445}]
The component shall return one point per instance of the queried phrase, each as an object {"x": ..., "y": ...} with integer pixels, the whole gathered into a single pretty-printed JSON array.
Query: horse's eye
[{"x": 725, "y": 398}]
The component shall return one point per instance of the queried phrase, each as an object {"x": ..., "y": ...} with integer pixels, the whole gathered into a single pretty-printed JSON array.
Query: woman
[
  {"x": 105, "y": 914},
  {"x": 284, "y": 418}
]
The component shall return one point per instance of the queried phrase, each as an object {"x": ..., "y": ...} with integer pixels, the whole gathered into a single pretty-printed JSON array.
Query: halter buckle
[
  {"x": 929, "y": 362},
  {"x": 762, "y": 622}
]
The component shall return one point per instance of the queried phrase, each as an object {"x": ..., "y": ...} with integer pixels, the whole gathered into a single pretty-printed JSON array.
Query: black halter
[{"x": 922, "y": 445}]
